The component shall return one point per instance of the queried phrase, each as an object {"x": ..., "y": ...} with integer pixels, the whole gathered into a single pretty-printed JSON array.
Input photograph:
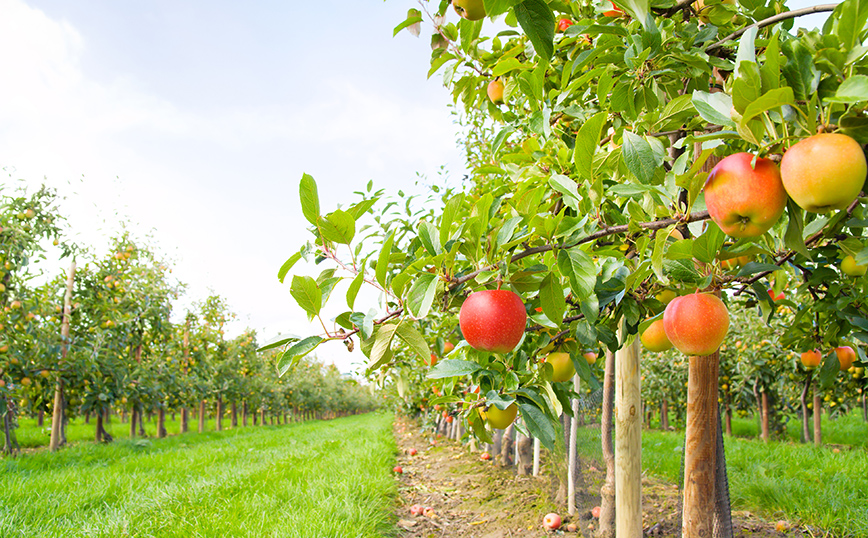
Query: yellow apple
[{"x": 562, "y": 365}]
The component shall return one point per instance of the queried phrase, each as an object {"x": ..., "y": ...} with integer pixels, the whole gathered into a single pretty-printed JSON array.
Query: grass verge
[{"x": 323, "y": 479}]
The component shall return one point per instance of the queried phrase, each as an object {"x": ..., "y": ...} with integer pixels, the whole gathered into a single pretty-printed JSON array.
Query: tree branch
[{"x": 773, "y": 20}]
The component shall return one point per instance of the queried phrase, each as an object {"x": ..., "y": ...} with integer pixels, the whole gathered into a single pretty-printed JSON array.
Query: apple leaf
[
  {"x": 477, "y": 423},
  {"x": 306, "y": 293},
  {"x": 848, "y": 22},
  {"x": 498, "y": 7},
  {"x": 506, "y": 231},
  {"x": 793, "y": 238},
  {"x": 707, "y": 245},
  {"x": 326, "y": 287},
  {"x": 799, "y": 70},
  {"x": 583, "y": 369},
  {"x": 453, "y": 368},
  {"x": 383, "y": 260},
  {"x": 538, "y": 424},
  {"x": 430, "y": 238},
  {"x": 439, "y": 62},
  {"x": 538, "y": 22},
  {"x": 278, "y": 341},
  {"x": 287, "y": 265},
  {"x": 291, "y": 356},
  {"x": 448, "y": 218},
  {"x": 381, "y": 352},
  {"x": 829, "y": 370},
  {"x": 551, "y": 295},
  {"x": 353, "y": 290},
  {"x": 713, "y": 107},
  {"x": 639, "y": 157},
  {"x": 498, "y": 400},
  {"x": 578, "y": 266},
  {"x": 422, "y": 294},
  {"x": 756, "y": 267},
  {"x": 415, "y": 341},
  {"x": 338, "y": 227},
  {"x": 586, "y": 144},
  {"x": 568, "y": 190},
  {"x": 414, "y": 19},
  {"x": 309, "y": 199},
  {"x": 852, "y": 90},
  {"x": 508, "y": 64},
  {"x": 365, "y": 323}
]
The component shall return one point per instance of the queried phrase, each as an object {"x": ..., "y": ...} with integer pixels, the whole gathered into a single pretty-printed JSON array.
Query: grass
[
  {"x": 323, "y": 479},
  {"x": 817, "y": 486}
]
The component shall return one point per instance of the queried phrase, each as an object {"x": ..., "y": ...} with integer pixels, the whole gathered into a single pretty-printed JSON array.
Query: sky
[{"x": 194, "y": 122}]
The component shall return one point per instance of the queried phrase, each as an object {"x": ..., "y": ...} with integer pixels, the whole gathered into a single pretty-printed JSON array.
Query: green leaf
[
  {"x": 498, "y": 400},
  {"x": 713, "y": 107},
  {"x": 438, "y": 62},
  {"x": 381, "y": 352},
  {"x": 579, "y": 267},
  {"x": 707, "y": 245},
  {"x": 551, "y": 296},
  {"x": 278, "y": 341},
  {"x": 306, "y": 293},
  {"x": 586, "y": 144},
  {"x": 852, "y": 90},
  {"x": 583, "y": 369},
  {"x": 453, "y": 368},
  {"x": 338, "y": 227},
  {"x": 506, "y": 231},
  {"x": 414, "y": 16},
  {"x": 639, "y": 157},
  {"x": 567, "y": 188},
  {"x": 770, "y": 71},
  {"x": 770, "y": 100},
  {"x": 309, "y": 199},
  {"x": 415, "y": 341},
  {"x": 430, "y": 238},
  {"x": 365, "y": 323},
  {"x": 448, "y": 217},
  {"x": 498, "y": 7},
  {"x": 793, "y": 237},
  {"x": 538, "y": 424},
  {"x": 639, "y": 10},
  {"x": 354, "y": 288},
  {"x": 849, "y": 19},
  {"x": 422, "y": 294},
  {"x": 360, "y": 208},
  {"x": 291, "y": 356},
  {"x": 799, "y": 70},
  {"x": 538, "y": 22},
  {"x": 829, "y": 370},
  {"x": 383, "y": 260},
  {"x": 287, "y": 265},
  {"x": 507, "y": 65}
]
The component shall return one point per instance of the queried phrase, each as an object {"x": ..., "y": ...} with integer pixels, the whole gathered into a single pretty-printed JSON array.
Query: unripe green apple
[
  {"x": 500, "y": 419},
  {"x": 745, "y": 201},
  {"x": 824, "y": 172},
  {"x": 850, "y": 268},
  {"x": 696, "y": 324},
  {"x": 495, "y": 91},
  {"x": 654, "y": 338},
  {"x": 666, "y": 296},
  {"x": 472, "y": 10},
  {"x": 562, "y": 365}
]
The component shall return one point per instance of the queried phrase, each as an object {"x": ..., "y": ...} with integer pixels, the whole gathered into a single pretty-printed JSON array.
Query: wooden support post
[
  {"x": 536, "y": 454},
  {"x": 628, "y": 441},
  {"x": 700, "y": 449},
  {"x": 57, "y": 434},
  {"x": 818, "y": 411},
  {"x": 607, "y": 492},
  {"x": 571, "y": 467}
]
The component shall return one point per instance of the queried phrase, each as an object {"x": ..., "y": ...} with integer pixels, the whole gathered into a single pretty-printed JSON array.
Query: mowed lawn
[{"x": 311, "y": 480}]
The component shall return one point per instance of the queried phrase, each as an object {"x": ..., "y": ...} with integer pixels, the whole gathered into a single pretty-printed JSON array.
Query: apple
[
  {"x": 26, "y": 381},
  {"x": 696, "y": 324},
  {"x": 495, "y": 91},
  {"x": 850, "y": 268},
  {"x": 734, "y": 263},
  {"x": 449, "y": 419},
  {"x": 782, "y": 526},
  {"x": 493, "y": 320},
  {"x": 2, "y": 383},
  {"x": 824, "y": 172},
  {"x": 448, "y": 347},
  {"x": 397, "y": 469},
  {"x": 776, "y": 296},
  {"x": 572, "y": 527},
  {"x": 428, "y": 512},
  {"x": 433, "y": 359},
  {"x": 846, "y": 357},
  {"x": 654, "y": 338},
  {"x": 552, "y": 521},
  {"x": 562, "y": 365},
  {"x": 485, "y": 456},
  {"x": 498, "y": 418},
  {"x": 745, "y": 201},
  {"x": 811, "y": 359},
  {"x": 596, "y": 511},
  {"x": 412, "y": 452},
  {"x": 590, "y": 356},
  {"x": 416, "y": 510},
  {"x": 44, "y": 373},
  {"x": 563, "y": 24},
  {"x": 666, "y": 296},
  {"x": 706, "y": 13},
  {"x": 472, "y": 10},
  {"x": 614, "y": 12}
]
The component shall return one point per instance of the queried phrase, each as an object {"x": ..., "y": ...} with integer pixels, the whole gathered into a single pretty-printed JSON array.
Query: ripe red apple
[
  {"x": 824, "y": 172},
  {"x": 614, "y": 12},
  {"x": 495, "y": 91},
  {"x": 654, "y": 338},
  {"x": 596, "y": 511},
  {"x": 493, "y": 320},
  {"x": 696, "y": 324},
  {"x": 485, "y": 456},
  {"x": 433, "y": 359},
  {"x": 846, "y": 357},
  {"x": 776, "y": 296},
  {"x": 397, "y": 469},
  {"x": 850, "y": 268},
  {"x": 416, "y": 510},
  {"x": 412, "y": 452},
  {"x": 563, "y": 24},
  {"x": 449, "y": 419},
  {"x": 552, "y": 521},
  {"x": 562, "y": 365},
  {"x": 472, "y": 10},
  {"x": 590, "y": 356},
  {"x": 500, "y": 419},
  {"x": 811, "y": 359},
  {"x": 745, "y": 201}
]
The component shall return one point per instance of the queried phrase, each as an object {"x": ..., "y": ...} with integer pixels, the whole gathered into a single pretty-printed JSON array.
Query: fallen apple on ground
[{"x": 552, "y": 521}]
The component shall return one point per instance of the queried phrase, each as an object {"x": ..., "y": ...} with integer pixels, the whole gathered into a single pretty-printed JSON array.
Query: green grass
[
  {"x": 847, "y": 430},
  {"x": 817, "y": 486},
  {"x": 317, "y": 479}
]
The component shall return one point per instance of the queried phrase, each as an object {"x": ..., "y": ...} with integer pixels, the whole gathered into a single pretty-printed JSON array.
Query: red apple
[
  {"x": 563, "y": 24},
  {"x": 590, "y": 356},
  {"x": 572, "y": 527},
  {"x": 397, "y": 469},
  {"x": 485, "y": 456},
  {"x": 696, "y": 324},
  {"x": 596, "y": 511},
  {"x": 745, "y": 201},
  {"x": 824, "y": 172},
  {"x": 493, "y": 320},
  {"x": 811, "y": 359},
  {"x": 412, "y": 452},
  {"x": 448, "y": 347},
  {"x": 654, "y": 338},
  {"x": 846, "y": 357},
  {"x": 562, "y": 365},
  {"x": 552, "y": 521},
  {"x": 416, "y": 509}
]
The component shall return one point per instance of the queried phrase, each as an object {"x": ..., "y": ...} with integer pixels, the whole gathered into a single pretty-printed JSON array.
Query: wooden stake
[
  {"x": 628, "y": 441},
  {"x": 536, "y": 454},
  {"x": 571, "y": 473},
  {"x": 818, "y": 411},
  {"x": 607, "y": 492},
  {"x": 57, "y": 434}
]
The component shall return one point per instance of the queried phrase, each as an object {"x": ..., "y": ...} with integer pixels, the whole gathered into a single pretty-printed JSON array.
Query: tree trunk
[
  {"x": 219, "y": 422},
  {"x": 161, "y": 423},
  {"x": 728, "y": 415},
  {"x": 525, "y": 455},
  {"x": 141, "y": 414},
  {"x": 123, "y": 416},
  {"x": 664, "y": 415},
  {"x": 10, "y": 444},
  {"x": 765, "y": 417},
  {"x": 201, "y": 416},
  {"x": 234, "y": 408},
  {"x": 244, "y": 413},
  {"x": 628, "y": 441},
  {"x": 133, "y": 417},
  {"x": 58, "y": 429},
  {"x": 101, "y": 434},
  {"x": 607, "y": 492},
  {"x": 185, "y": 424},
  {"x": 262, "y": 417},
  {"x": 803, "y": 401},
  {"x": 700, "y": 455},
  {"x": 87, "y": 418},
  {"x": 818, "y": 410},
  {"x": 40, "y": 418},
  {"x": 506, "y": 448},
  {"x": 864, "y": 405}
]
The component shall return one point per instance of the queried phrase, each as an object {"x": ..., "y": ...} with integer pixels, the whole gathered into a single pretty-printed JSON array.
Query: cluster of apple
[
  {"x": 846, "y": 357},
  {"x": 695, "y": 324},
  {"x": 420, "y": 510}
]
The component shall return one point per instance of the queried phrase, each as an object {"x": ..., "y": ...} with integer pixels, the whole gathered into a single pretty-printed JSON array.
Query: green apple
[
  {"x": 472, "y": 10},
  {"x": 850, "y": 268}
]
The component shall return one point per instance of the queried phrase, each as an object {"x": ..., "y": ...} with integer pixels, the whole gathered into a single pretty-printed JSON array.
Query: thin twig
[{"x": 772, "y": 20}]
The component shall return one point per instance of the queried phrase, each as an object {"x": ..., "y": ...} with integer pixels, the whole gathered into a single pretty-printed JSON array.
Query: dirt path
[{"x": 468, "y": 497}]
